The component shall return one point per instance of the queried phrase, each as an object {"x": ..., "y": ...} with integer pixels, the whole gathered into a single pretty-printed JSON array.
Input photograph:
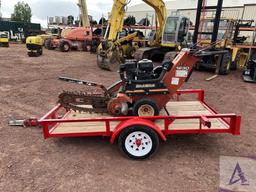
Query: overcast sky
[{"x": 43, "y": 8}]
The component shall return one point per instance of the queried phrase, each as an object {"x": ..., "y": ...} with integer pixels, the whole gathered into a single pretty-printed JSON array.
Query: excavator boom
[
  {"x": 160, "y": 9},
  {"x": 116, "y": 19}
]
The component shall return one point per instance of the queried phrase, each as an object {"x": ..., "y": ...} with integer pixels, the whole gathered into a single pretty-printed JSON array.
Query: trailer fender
[{"x": 136, "y": 121}]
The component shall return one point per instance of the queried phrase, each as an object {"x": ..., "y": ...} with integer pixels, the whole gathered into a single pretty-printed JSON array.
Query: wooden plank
[
  {"x": 195, "y": 126},
  {"x": 73, "y": 128},
  {"x": 79, "y": 127},
  {"x": 90, "y": 126},
  {"x": 186, "y": 108},
  {"x": 173, "y": 107},
  {"x": 77, "y": 115},
  {"x": 211, "y": 78},
  {"x": 183, "y": 103},
  {"x": 190, "y": 113},
  {"x": 190, "y": 108}
]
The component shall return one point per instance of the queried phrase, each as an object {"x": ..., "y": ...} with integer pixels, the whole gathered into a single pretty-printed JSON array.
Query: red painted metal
[
  {"x": 205, "y": 121},
  {"x": 136, "y": 121},
  {"x": 199, "y": 92},
  {"x": 232, "y": 121}
]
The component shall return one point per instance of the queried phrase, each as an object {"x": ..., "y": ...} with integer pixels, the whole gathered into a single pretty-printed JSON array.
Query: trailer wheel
[
  {"x": 145, "y": 107},
  {"x": 225, "y": 64},
  {"x": 64, "y": 46},
  {"x": 138, "y": 142}
]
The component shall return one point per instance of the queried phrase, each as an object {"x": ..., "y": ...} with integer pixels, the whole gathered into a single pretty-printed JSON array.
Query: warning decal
[{"x": 175, "y": 81}]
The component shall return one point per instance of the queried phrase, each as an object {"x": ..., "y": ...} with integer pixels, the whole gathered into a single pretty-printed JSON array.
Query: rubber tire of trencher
[
  {"x": 153, "y": 135},
  {"x": 143, "y": 102}
]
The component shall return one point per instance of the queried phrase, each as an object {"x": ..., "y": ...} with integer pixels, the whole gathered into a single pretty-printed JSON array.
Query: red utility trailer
[{"x": 138, "y": 137}]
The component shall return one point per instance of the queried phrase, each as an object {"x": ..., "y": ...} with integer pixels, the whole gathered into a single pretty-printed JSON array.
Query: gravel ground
[{"x": 29, "y": 88}]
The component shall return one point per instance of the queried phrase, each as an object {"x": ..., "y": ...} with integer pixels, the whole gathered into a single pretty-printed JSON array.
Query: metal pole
[
  {"x": 253, "y": 41},
  {"x": 0, "y": 11},
  {"x": 217, "y": 21},
  {"x": 198, "y": 16},
  {"x": 146, "y": 24}
]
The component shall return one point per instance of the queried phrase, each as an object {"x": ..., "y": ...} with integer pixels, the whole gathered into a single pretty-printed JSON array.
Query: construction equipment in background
[
  {"x": 112, "y": 49},
  {"x": 249, "y": 74},
  {"x": 230, "y": 59},
  {"x": 50, "y": 33},
  {"x": 168, "y": 37},
  {"x": 229, "y": 53},
  {"x": 218, "y": 58},
  {"x": 228, "y": 34},
  {"x": 79, "y": 38},
  {"x": 247, "y": 50},
  {"x": 174, "y": 36},
  {"x": 4, "y": 40},
  {"x": 111, "y": 54},
  {"x": 143, "y": 89},
  {"x": 34, "y": 46}
]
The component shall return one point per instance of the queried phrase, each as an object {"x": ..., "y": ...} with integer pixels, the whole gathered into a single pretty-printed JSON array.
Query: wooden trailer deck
[
  {"x": 179, "y": 117},
  {"x": 174, "y": 108}
]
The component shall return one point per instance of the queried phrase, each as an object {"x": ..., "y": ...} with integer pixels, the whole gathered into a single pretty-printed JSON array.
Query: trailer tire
[
  {"x": 145, "y": 107},
  {"x": 64, "y": 46},
  {"x": 138, "y": 142},
  {"x": 225, "y": 64}
]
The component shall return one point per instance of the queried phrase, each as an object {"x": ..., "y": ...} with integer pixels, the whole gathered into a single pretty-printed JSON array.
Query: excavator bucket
[{"x": 109, "y": 61}]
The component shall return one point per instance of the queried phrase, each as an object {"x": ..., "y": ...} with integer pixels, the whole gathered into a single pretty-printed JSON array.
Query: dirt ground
[{"x": 29, "y": 88}]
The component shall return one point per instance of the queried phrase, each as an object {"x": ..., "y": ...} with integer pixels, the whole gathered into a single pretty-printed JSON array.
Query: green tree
[{"x": 22, "y": 12}]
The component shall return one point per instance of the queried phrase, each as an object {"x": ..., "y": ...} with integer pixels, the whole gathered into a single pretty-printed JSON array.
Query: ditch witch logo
[{"x": 237, "y": 174}]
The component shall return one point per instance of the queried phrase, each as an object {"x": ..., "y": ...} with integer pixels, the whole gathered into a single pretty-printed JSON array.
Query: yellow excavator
[
  {"x": 169, "y": 35},
  {"x": 112, "y": 49}
]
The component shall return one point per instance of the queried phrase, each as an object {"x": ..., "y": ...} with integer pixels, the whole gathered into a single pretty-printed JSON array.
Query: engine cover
[{"x": 141, "y": 70}]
